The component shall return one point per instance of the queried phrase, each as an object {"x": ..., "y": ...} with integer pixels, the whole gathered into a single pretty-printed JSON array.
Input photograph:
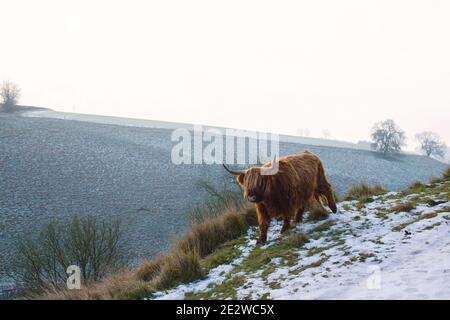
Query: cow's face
[{"x": 252, "y": 182}]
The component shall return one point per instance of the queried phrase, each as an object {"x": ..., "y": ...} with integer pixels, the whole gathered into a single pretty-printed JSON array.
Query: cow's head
[{"x": 253, "y": 181}]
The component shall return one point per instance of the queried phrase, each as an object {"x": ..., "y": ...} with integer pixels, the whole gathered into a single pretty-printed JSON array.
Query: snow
[
  {"x": 372, "y": 261},
  {"x": 216, "y": 275}
]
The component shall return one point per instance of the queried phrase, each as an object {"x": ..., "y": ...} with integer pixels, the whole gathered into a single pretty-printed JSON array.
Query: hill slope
[
  {"x": 394, "y": 246},
  {"x": 54, "y": 168}
]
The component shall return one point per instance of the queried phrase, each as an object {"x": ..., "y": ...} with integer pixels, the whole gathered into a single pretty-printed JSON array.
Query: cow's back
[
  {"x": 297, "y": 177},
  {"x": 303, "y": 166}
]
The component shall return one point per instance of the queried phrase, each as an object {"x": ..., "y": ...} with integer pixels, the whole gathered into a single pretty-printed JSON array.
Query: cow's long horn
[{"x": 233, "y": 172}]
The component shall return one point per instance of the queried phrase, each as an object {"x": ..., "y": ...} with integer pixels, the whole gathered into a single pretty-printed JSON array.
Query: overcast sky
[{"x": 265, "y": 65}]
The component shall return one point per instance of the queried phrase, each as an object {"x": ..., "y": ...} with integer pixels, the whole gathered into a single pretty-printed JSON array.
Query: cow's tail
[{"x": 324, "y": 187}]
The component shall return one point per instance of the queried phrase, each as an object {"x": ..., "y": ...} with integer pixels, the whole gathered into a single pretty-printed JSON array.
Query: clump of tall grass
[
  {"x": 446, "y": 174},
  {"x": 445, "y": 177},
  {"x": 204, "y": 237},
  {"x": 404, "y": 207},
  {"x": 316, "y": 210},
  {"x": 179, "y": 267},
  {"x": 149, "y": 269},
  {"x": 415, "y": 188},
  {"x": 362, "y": 192},
  {"x": 297, "y": 239}
]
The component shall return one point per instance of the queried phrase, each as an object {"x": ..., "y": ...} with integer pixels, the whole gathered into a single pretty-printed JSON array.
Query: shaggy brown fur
[{"x": 300, "y": 179}]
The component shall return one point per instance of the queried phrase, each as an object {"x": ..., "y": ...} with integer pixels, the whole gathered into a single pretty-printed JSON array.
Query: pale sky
[{"x": 261, "y": 65}]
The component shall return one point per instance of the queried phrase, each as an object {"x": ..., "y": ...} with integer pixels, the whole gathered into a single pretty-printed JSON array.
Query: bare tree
[
  {"x": 387, "y": 137},
  {"x": 431, "y": 144},
  {"x": 326, "y": 133},
  {"x": 10, "y": 94}
]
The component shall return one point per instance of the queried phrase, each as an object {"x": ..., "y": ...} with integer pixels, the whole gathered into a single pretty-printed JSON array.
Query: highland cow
[{"x": 299, "y": 180}]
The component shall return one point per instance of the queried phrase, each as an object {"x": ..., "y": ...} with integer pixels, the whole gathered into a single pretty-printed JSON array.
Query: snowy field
[
  {"x": 374, "y": 252},
  {"x": 52, "y": 169}
]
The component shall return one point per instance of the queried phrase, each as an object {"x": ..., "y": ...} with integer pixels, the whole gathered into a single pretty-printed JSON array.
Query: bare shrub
[{"x": 96, "y": 247}]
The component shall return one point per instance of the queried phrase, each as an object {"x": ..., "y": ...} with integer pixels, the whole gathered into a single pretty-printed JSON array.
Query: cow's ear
[{"x": 240, "y": 178}]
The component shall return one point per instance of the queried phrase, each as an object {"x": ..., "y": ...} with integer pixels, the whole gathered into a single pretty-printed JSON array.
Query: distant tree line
[{"x": 388, "y": 138}]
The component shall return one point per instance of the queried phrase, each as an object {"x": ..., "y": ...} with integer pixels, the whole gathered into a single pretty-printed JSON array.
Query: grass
[
  {"x": 297, "y": 239},
  {"x": 422, "y": 217},
  {"x": 179, "y": 267},
  {"x": 316, "y": 210},
  {"x": 404, "y": 207},
  {"x": 316, "y": 250},
  {"x": 265, "y": 260},
  {"x": 224, "y": 290},
  {"x": 316, "y": 215},
  {"x": 261, "y": 257},
  {"x": 204, "y": 237},
  {"x": 215, "y": 239},
  {"x": 149, "y": 269},
  {"x": 446, "y": 174},
  {"x": 224, "y": 254},
  {"x": 323, "y": 227},
  {"x": 437, "y": 224},
  {"x": 205, "y": 245},
  {"x": 445, "y": 177},
  {"x": 217, "y": 200},
  {"x": 316, "y": 264},
  {"x": 415, "y": 188},
  {"x": 362, "y": 192}
]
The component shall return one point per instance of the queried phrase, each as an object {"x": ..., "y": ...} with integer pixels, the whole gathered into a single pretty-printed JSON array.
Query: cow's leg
[
  {"x": 299, "y": 215},
  {"x": 286, "y": 223},
  {"x": 325, "y": 188},
  {"x": 330, "y": 199},
  {"x": 263, "y": 221}
]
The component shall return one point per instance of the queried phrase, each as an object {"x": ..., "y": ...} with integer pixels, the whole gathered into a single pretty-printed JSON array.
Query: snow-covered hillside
[{"x": 394, "y": 246}]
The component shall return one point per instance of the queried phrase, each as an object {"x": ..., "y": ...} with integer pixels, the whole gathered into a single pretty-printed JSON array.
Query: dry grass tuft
[
  {"x": 404, "y": 207},
  {"x": 250, "y": 215},
  {"x": 363, "y": 191},
  {"x": 149, "y": 269},
  {"x": 179, "y": 267},
  {"x": 317, "y": 215},
  {"x": 297, "y": 239},
  {"x": 446, "y": 174},
  {"x": 316, "y": 210},
  {"x": 204, "y": 237}
]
